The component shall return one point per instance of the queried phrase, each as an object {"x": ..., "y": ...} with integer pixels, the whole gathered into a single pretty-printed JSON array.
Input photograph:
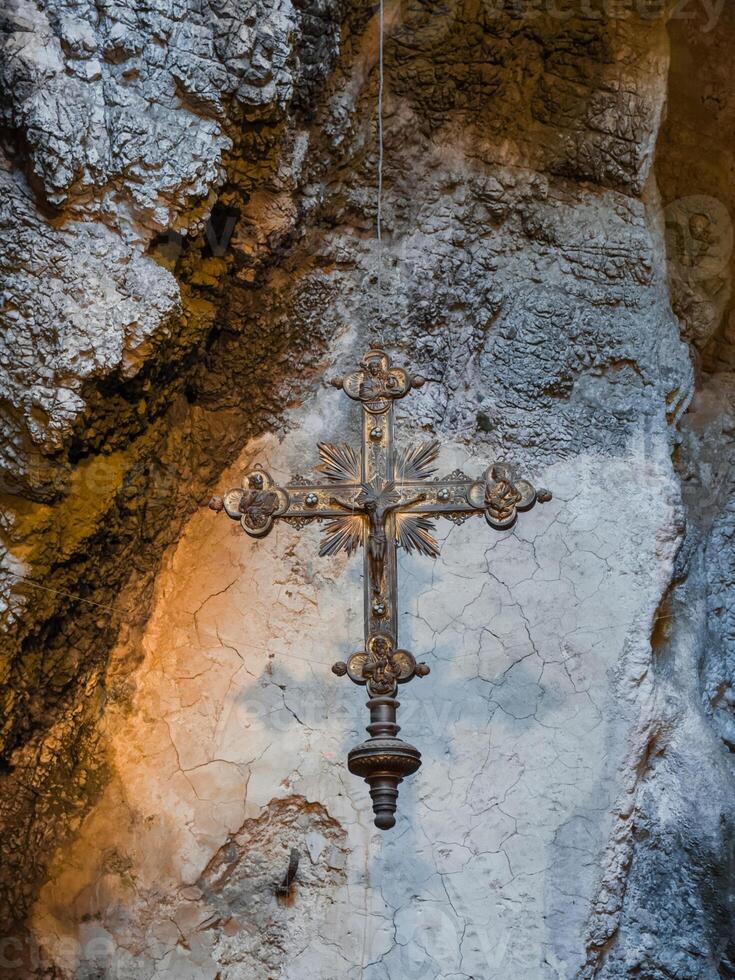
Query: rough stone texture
[
  {"x": 196, "y": 186},
  {"x": 101, "y": 416}
]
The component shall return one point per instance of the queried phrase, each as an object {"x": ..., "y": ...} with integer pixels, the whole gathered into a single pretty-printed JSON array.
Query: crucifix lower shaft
[{"x": 379, "y": 500}]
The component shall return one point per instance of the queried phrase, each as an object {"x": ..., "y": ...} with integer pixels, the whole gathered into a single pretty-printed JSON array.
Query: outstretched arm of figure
[
  {"x": 406, "y": 503},
  {"x": 348, "y": 507}
]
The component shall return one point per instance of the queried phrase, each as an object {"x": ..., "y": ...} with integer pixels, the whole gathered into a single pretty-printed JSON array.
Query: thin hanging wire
[{"x": 379, "y": 223}]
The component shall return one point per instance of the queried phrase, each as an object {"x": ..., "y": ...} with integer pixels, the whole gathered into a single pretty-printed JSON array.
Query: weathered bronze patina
[{"x": 380, "y": 500}]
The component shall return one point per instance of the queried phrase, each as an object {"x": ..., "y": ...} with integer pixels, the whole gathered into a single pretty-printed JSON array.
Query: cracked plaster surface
[{"x": 493, "y": 868}]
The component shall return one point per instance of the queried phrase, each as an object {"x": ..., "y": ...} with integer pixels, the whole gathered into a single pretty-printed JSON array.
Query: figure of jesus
[{"x": 377, "y": 505}]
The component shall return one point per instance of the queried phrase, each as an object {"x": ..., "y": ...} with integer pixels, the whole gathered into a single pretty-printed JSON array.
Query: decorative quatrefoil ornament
[
  {"x": 257, "y": 504},
  {"x": 381, "y": 666}
]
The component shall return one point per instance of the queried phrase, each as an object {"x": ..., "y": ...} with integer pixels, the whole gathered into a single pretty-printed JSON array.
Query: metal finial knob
[
  {"x": 543, "y": 495},
  {"x": 340, "y": 668},
  {"x": 216, "y": 504}
]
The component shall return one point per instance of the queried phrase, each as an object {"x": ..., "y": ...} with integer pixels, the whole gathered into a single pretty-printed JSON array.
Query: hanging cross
[{"x": 379, "y": 501}]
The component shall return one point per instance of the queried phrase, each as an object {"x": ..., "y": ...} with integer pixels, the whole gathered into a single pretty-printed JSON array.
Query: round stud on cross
[
  {"x": 311, "y": 500},
  {"x": 376, "y": 433},
  {"x": 442, "y": 494}
]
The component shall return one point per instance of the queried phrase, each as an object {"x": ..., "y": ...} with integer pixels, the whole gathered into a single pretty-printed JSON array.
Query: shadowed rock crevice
[{"x": 676, "y": 916}]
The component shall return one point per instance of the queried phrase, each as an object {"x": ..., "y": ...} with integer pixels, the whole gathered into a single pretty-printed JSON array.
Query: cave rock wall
[{"x": 195, "y": 188}]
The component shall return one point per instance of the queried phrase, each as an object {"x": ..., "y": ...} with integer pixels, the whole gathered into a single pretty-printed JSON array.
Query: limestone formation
[{"x": 188, "y": 212}]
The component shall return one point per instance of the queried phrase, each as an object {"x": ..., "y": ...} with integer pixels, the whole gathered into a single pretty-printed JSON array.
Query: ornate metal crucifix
[{"x": 379, "y": 500}]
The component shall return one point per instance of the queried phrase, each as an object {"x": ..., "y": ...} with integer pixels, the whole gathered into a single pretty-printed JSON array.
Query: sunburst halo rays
[{"x": 339, "y": 463}]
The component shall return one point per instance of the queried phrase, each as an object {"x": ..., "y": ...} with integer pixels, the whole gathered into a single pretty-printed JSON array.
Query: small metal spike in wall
[{"x": 378, "y": 500}]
